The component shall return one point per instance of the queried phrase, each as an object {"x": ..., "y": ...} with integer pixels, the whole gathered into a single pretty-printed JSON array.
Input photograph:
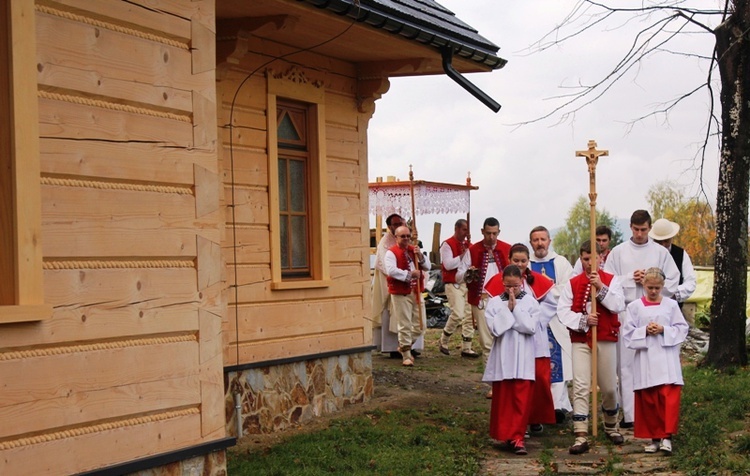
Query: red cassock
[
  {"x": 509, "y": 412},
  {"x": 542, "y": 406},
  {"x": 657, "y": 411}
]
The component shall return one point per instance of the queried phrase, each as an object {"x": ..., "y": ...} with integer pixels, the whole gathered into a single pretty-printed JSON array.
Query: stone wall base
[
  {"x": 211, "y": 464},
  {"x": 281, "y": 396}
]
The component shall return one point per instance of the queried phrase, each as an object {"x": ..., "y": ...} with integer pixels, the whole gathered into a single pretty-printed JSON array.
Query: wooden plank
[
  {"x": 204, "y": 122},
  {"x": 102, "y": 85},
  {"x": 252, "y": 245},
  {"x": 279, "y": 321},
  {"x": 347, "y": 211},
  {"x": 209, "y": 264},
  {"x": 207, "y": 191},
  {"x": 346, "y": 246},
  {"x": 201, "y": 9},
  {"x": 250, "y": 205},
  {"x": 203, "y": 47},
  {"x": 344, "y": 176},
  {"x": 131, "y": 161},
  {"x": 25, "y": 152},
  {"x": 117, "y": 223},
  {"x": 255, "y": 285},
  {"x": 116, "y": 55},
  {"x": 43, "y": 377},
  {"x": 341, "y": 142},
  {"x": 105, "y": 448},
  {"x": 212, "y": 375},
  {"x": 242, "y": 114},
  {"x": 105, "y": 321},
  {"x": 250, "y": 165},
  {"x": 251, "y": 94},
  {"x": 309, "y": 345},
  {"x": 60, "y": 119},
  {"x": 129, "y": 14},
  {"x": 103, "y": 404},
  {"x": 341, "y": 110},
  {"x": 244, "y": 136},
  {"x": 24, "y": 313}
]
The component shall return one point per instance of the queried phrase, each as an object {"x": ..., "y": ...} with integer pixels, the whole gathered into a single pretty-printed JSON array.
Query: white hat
[{"x": 663, "y": 229}]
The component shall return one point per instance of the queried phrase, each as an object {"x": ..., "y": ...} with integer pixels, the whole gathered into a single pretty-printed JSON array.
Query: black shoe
[
  {"x": 536, "y": 428},
  {"x": 416, "y": 353},
  {"x": 394, "y": 355},
  {"x": 469, "y": 353},
  {"x": 626, "y": 424},
  {"x": 579, "y": 448},
  {"x": 560, "y": 416},
  {"x": 444, "y": 350}
]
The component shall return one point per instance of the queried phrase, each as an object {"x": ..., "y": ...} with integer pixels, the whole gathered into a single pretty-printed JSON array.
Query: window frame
[
  {"x": 295, "y": 87},
  {"x": 22, "y": 267}
]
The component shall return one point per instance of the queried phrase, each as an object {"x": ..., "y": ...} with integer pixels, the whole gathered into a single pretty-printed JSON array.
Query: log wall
[
  {"x": 130, "y": 363},
  {"x": 264, "y": 323}
]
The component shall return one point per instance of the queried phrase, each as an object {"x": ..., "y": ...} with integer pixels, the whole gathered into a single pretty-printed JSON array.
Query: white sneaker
[
  {"x": 652, "y": 448},
  {"x": 666, "y": 446}
]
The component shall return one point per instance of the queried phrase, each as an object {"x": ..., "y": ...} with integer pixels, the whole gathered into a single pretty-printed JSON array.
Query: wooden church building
[{"x": 183, "y": 218}]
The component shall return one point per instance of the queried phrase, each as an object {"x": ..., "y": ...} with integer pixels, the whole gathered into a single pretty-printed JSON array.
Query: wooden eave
[{"x": 380, "y": 45}]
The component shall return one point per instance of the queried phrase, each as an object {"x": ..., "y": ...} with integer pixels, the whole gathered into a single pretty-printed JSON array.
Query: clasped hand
[{"x": 653, "y": 329}]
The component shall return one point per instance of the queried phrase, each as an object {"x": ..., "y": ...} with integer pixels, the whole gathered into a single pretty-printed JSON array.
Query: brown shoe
[
  {"x": 581, "y": 446},
  {"x": 488, "y": 395},
  {"x": 408, "y": 363},
  {"x": 614, "y": 436},
  {"x": 444, "y": 350}
]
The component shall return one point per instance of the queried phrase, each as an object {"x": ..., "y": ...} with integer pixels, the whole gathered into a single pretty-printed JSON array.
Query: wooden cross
[{"x": 592, "y": 158}]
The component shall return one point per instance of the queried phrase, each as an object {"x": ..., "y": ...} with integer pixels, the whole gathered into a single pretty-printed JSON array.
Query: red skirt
[
  {"x": 542, "y": 407},
  {"x": 657, "y": 411},
  {"x": 509, "y": 413}
]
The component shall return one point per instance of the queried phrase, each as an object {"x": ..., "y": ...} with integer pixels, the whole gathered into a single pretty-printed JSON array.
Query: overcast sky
[{"x": 530, "y": 176}]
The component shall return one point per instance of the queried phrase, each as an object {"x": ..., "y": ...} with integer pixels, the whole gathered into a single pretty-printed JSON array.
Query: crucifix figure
[{"x": 592, "y": 155}]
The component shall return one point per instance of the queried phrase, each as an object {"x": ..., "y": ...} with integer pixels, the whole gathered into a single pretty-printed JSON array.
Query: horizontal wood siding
[
  {"x": 129, "y": 365},
  {"x": 276, "y": 324}
]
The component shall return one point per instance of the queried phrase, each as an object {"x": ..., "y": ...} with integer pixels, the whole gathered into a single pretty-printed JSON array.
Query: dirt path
[{"x": 456, "y": 382}]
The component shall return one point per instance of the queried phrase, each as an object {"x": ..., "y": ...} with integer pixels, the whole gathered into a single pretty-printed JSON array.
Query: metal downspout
[{"x": 447, "y": 53}]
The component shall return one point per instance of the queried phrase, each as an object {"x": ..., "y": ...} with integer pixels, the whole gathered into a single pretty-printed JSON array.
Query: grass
[
  {"x": 713, "y": 422},
  {"x": 452, "y": 439},
  {"x": 426, "y": 440}
]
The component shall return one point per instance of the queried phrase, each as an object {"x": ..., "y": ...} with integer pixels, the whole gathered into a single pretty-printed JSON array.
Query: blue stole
[{"x": 547, "y": 268}]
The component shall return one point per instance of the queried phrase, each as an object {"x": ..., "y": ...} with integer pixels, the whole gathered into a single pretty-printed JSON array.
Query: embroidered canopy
[{"x": 429, "y": 198}]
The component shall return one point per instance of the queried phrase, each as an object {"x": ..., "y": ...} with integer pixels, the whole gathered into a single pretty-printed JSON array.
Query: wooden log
[
  {"x": 71, "y": 370},
  {"x": 277, "y": 321},
  {"x": 151, "y": 224},
  {"x": 132, "y": 442},
  {"x": 133, "y": 162},
  {"x": 101, "y": 404},
  {"x": 307, "y": 345}
]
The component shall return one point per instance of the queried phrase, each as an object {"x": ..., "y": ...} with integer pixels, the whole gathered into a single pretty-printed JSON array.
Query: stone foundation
[
  {"x": 282, "y": 396},
  {"x": 211, "y": 464}
]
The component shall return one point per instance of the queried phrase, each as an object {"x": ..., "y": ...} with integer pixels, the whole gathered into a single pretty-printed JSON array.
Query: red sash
[{"x": 608, "y": 328}]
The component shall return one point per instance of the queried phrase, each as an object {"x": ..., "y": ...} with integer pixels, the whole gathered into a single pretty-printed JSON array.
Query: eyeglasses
[{"x": 404, "y": 236}]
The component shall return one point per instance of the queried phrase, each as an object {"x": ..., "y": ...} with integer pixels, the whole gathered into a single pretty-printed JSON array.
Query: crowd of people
[{"x": 532, "y": 313}]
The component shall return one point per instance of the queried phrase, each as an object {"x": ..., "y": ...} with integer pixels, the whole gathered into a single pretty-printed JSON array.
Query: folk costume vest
[
  {"x": 449, "y": 275},
  {"x": 404, "y": 257},
  {"x": 608, "y": 328},
  {"x": 480, "y": 258}
]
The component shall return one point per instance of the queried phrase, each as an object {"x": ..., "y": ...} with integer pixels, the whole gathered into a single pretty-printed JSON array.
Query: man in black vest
[{"x": 662, "y": 232}]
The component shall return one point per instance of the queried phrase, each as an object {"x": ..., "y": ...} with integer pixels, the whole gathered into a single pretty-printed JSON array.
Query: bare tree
[{"x": 662, "y": 21}]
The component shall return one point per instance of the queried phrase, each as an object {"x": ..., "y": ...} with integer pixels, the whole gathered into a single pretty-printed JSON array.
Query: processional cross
[{"x": 592, "y": 158}]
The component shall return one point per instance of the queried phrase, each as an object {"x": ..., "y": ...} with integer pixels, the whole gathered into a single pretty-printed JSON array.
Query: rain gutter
[{"x": 448, "y": 45}]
